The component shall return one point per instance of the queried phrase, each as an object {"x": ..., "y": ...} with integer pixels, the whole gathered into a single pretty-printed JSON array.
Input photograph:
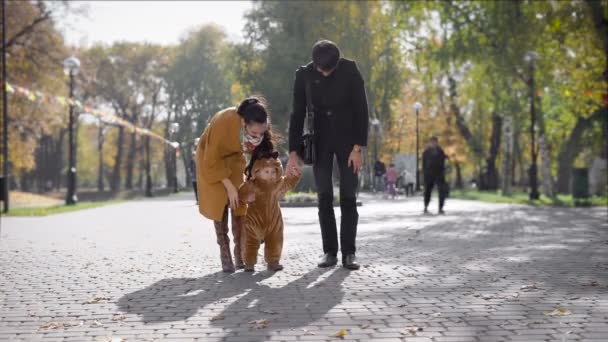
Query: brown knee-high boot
[
  {"x": 237, "y": 230},
  {"x": 221, "y": 231}
]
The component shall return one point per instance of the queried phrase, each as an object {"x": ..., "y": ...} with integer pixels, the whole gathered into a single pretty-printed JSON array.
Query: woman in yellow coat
[{"x": 220, "y": 165}]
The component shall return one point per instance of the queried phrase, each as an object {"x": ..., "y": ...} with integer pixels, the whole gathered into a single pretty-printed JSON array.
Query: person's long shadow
[
  {"x": 299, "y": 303},
  {"x": 177, "y": 299}
]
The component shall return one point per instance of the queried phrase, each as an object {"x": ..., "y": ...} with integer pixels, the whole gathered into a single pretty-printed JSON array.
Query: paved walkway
[{"x": 147, "y": 270}]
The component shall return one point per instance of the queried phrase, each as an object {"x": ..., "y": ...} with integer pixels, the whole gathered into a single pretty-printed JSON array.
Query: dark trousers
[
  {"x": 429, "y": 182},
  {"x": 348, "y": 199},
  {"x": 409, "y": 189}
]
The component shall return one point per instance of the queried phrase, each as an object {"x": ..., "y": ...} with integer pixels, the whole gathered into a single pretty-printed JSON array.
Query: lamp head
[{"x": 71, "y": 65}]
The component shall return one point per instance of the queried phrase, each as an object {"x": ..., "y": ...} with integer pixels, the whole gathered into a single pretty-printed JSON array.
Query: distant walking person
[
  {"x": 433, "y": 167},
  {"x": 391, "y": 179},
  {"x": 379, "y": 172}
]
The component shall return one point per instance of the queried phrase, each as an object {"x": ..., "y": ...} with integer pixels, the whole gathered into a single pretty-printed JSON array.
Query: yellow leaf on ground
[
  {"x": 559, "y": 312},
  {"x": 340, "y": 334}
]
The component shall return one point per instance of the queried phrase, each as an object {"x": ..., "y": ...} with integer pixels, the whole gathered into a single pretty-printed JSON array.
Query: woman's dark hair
[
  {"x": 325, "y": 55},
  {"x": 264, "y": 150},
  {"x": 254, "y": 110}
]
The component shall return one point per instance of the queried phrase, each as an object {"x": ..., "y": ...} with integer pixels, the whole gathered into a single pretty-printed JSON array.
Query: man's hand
[
  {"x": 294, "y": 165},
  {"x": 355, "y": 160}
]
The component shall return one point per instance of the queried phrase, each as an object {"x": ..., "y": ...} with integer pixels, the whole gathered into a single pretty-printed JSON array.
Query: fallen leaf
[
  {"x": 113, "y": 339},
  {"x": 52, "y": 325},
  {"x": 217, "y": 318},
  {"x": 515, "y": 295},
  {"x": 574, "y": 298},
  {"x": 436, "y": 314},
  {"x": 73, "y": 324},
  {"x": 118, "y": 317},
  {"x": 529, "y": 287},
  {"x": 412, "y": 330},
  {"x": 259, "y": 324},
  {"x": 99, "y": 298},
  {"x": 365, "y": 326},
  {"x": 60, "y": 325},
  {"x": 568, "y": 332},
  {"x": 96, "y": 324},
  {"x": 269, "y": 312},
  {"x": 401, "y": 305},
  {"x": 307, "y": 332},
  {"x": 558, "y": 312},
  {"x": 340, "y": 334}
]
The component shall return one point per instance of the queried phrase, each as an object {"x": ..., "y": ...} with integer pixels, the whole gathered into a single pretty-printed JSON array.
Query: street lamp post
[
  {"x": 530, "y": 58},
  {"x": 417, "y": 107},
  {"x": 173, "y": 129},
  {"x": 71, "y": 67}
]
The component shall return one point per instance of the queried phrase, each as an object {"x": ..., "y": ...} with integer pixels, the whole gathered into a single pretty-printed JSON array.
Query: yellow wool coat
[{"x": 219, "y": 155}]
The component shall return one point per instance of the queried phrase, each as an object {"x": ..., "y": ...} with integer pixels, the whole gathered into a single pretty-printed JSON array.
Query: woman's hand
[{"x": 233, "y": 194}]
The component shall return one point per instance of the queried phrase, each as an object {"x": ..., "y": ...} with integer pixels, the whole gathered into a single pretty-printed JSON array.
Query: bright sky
[{"x": 162, "y": 22}]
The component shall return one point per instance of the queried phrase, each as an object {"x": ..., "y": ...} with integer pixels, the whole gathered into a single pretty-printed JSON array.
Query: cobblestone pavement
[{"x": 147, "y": 270}]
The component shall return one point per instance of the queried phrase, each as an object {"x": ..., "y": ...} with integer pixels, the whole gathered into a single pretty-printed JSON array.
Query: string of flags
[{"x": 36, "y": 96}]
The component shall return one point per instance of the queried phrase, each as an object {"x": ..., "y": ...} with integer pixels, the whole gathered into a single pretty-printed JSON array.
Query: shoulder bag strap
[{"x": 310, "y": 110}]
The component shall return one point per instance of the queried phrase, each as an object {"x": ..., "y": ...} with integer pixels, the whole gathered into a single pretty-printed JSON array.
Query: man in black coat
[
  {"x": 379, "y": 172},
  {"x": 433, "y": 167},
  {"x": 341, "y": 123}
]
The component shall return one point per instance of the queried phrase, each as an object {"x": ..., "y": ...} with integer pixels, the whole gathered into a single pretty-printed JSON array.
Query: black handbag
[{"x": 308, "y": 150}]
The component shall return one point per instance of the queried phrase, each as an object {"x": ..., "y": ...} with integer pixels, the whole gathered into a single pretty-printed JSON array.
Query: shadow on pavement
[
  {"x": 177, "y": 299},
  {"x": 297, "y": 304}
]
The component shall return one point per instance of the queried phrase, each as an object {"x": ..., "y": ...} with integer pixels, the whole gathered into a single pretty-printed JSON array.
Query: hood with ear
[{"x": 267, "y": 162}]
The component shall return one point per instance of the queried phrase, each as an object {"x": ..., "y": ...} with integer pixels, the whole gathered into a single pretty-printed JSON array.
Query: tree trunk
[
  {"x": 572, "y": 148},
  {"x": 142, "y": 166},
  {"x": 147, "y": 167},
  {"x": 545, "y": 155},
  {"x": 491, "y": 171},
  {"x": 547, "y": 182},
  {"x": 115, "y": 182},
  {"x": 59, "y": 166},
  {"x": 168, "y": 155},
  {"x": 100, "y": 175},
  {"x": 598, "y": 12},
  {"x": 464, "y": 130},
  {"x": 131, "y": 161},
  {"x": 507, "y": 157},
  {"x": 459, "y": 183}
]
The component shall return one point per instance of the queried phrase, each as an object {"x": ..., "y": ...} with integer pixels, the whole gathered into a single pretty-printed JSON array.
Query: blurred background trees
[{"x": 469, "y": 63}]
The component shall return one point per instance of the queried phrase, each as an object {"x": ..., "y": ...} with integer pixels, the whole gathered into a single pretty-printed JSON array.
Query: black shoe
[
  {"x": 350, "y": 262},
  {"x": 441, "y": 212},
  {"x": 328, "y": 260}
]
